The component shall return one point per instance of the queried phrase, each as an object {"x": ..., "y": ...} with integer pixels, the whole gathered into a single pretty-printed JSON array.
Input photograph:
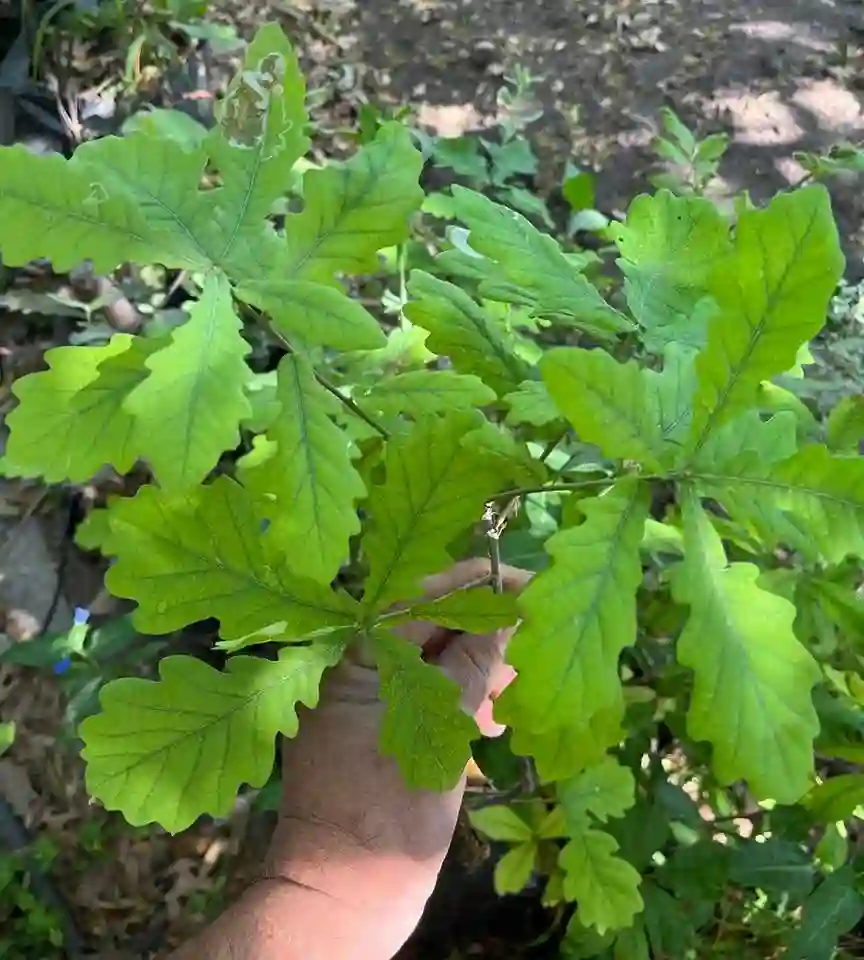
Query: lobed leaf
[
  {"x": 531, "y": 404},
  {"x": 477, "y": 610},
  {"x": 515, "y": 869},
  {"x": 309, "y": 486},
  {"x": 845, "y": 426},
  {"x": 529, "y": 268},
  {"x": 70, "y": 420},
  {"x": 355, "y": 208},
  {"x": 605, "y": 887},
  {"x": 605, "y": 789},
  {"x": 752, "y": 678},
  {"x": 579, "y": 615},
  {"x": 462, "y": 331},
  {"x": 424, "y": 728},
  {"x": 837, "y": 798},
  {"x": 161, "y": 177},
  {"x": 812, "y": 501},
  {"x": 609, "y": 404},
  {"x": 670, "y": 248},
  {"x": 564, "y": 751},
  {"x": 424, "y": 392},
  {"x": 190, "y": 406},
  {"x": 436, "y": 486},
  {"x": 834, "y": 908},
  {"x": 69, "y": 217},
  {"x": 260, "y": 135},
  {"x": 187, "y": 557},
  {"x": 499, "y": 822},
  {"x": 168, "y": 751},
  {"x": 772, "y": 296},
  {"x": 315, "y": 314}
]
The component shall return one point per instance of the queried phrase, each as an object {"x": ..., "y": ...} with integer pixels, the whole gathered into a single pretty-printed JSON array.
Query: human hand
[{"x": 349, "y": 826}]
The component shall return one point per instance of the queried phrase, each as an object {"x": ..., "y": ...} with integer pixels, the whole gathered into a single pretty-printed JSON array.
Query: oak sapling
[{"x": 702, "y": 620}]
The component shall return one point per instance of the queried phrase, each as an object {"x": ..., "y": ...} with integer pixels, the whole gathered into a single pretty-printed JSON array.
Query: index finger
[{"x": 473, "y": 572}]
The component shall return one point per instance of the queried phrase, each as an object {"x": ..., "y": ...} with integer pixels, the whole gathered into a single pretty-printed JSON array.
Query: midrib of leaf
[
  {"x": 184, "y": 226},
  {"x": 250, "y": 189},
  {"x": 771, "y": 300},
  {"x": 733, "y": 480},
  {"x": 196, "y": 388},
  {"x": 246, "y": 575},
  {"x": 73, "y": 214},
  {"x": 310, "y": 460},
  {"x": 604, "y": 578},
  {"x": 402, "y": 538},
  {"x": 344, "y": 211},
  {"x": 198, "y": 733}
]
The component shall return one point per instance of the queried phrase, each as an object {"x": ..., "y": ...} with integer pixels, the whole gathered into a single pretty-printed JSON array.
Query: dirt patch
[{"x": 777, "y": 75}]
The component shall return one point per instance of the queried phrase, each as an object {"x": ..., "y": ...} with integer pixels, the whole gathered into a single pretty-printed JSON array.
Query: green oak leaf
[
  {"x": 812, "y": 501},
  {"x": 564, "y": 751},
  {"x": 605, "y": 887},
  {"x": 837, "y": 798},
  {"x": 168, "y": 751},
  {"x": 752, "y": 678},
  {"x": 70, "y": 420},
  {"x": 772, "y": 295},
  {"x": 834, "y": 908},
  {"x": 353, "y": 209},
  {"x": 314, "y": 314},
  {"x": 499, "y": 822},
  {"x": 69, "y": 216},
  {"x": 423, "y": 728},
  {"x": 531, "y": 404},
  {"x": 260, "y": 135},
  {"x": 579, "y": 615},
  {"x": 778, "y": 867},
  {"x": 528, "y": 267},
  {"x": 610, "y": 404},
  {"x": 477, "y": 610},
  {"x": 632, "y": 943},
  {"x": 515, "y": 869},
  {"x": 436, "y": 486},
  {"x": 308, "y": 487},
  {"x": 161, "y": 177},
  {"x": 423, "y": 392},
  {"x": 187, "y": 557},
  {"x": 464, "y": 332},
  {"x": 605, "y": 789},
  {"x": 670, "y": 247},
  {"x": 748, "y": 440},
  {"x": 673, "y": 388},
  {"x": 190, "y": 406}
]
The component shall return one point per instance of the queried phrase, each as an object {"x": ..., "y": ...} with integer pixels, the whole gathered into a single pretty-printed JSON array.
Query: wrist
[{"x": 368, "y": 875}]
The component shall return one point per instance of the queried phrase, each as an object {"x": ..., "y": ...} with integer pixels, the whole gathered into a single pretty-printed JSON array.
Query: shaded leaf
[
  {"x": 309, "y": 486},
  {"x": 423, "y": 728},
  {"x": 190, "y": 406},
  {"x": 752, "y": 678}
]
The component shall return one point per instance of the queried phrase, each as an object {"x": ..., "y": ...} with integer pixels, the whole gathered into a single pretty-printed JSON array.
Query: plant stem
[
  {"x": 344, "y": 399},
  {"x": 352, "y": 406}
]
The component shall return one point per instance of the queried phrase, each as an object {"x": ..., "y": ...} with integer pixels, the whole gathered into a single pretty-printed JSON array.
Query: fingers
[
  {"x": 477, "y": 664},
  {"x": 466, "y": 573}
]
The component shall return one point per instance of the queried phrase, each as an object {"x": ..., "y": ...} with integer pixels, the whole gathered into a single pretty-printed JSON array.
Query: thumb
[{"x": 477, "y": 664}]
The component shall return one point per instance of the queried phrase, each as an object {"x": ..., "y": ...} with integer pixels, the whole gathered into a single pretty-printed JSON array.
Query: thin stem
[
  {"x": 344, "y": 399},
  {"x": 352, "y": 406},
  {"x": 586, "y": 484},
  {"x": 493, "y": 532}
]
